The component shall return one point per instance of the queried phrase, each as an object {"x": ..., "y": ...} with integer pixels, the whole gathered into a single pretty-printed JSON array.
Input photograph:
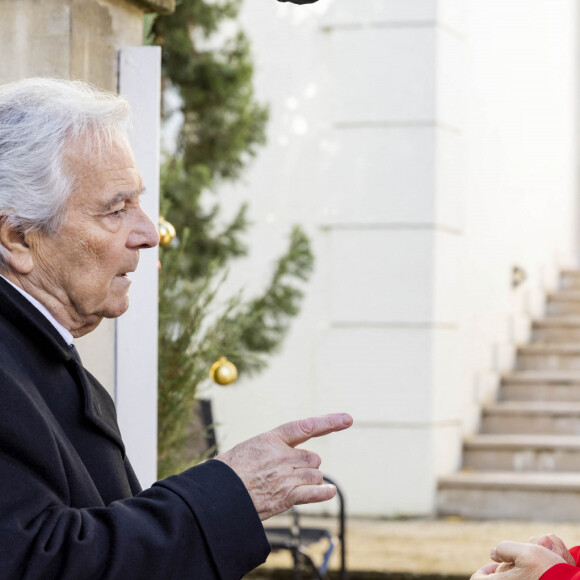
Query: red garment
[{"x": 565, "y": 571}]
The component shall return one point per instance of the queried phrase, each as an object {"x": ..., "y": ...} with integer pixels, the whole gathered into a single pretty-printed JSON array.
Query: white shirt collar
[{"x": 68, "y": 337}]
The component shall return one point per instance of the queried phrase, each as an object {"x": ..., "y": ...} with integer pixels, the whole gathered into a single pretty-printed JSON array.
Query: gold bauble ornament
[
  {"x": 223, "y": 372},
  {"x": 166, "y": 232}
]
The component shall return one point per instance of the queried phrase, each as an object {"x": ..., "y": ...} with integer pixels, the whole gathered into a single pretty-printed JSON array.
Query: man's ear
[{"x": 15, "y": 249}]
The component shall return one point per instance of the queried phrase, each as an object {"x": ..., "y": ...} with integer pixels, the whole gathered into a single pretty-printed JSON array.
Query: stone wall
[{"x": 76, "y": 39}]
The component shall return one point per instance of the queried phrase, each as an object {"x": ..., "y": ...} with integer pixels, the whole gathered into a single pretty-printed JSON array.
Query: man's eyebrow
[{"x": 124, "y": 195}]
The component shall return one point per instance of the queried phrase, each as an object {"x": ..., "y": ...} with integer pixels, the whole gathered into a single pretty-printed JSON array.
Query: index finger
[
  {"x": 297, "y": 432},
  {"x": 521, "y": 554},
  {"x": 509, "y": 551}
]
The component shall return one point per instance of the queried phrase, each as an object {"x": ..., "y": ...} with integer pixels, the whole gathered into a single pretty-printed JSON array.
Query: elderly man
[{"x": 71, "y": 228}]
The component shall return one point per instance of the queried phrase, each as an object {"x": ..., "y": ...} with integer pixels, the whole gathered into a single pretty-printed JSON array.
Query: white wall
[
  {"x": 521, "y": 158},
  {"x": 427, "y": 147}
]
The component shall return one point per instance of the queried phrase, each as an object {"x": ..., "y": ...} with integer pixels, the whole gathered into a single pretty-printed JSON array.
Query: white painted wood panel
[{"x": 136, "y": 330}]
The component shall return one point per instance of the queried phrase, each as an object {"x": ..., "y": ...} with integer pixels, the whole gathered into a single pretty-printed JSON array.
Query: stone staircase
[{"x": 525, "y": 463}]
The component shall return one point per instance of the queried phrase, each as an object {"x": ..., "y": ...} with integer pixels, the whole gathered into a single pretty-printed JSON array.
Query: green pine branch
[{"x": 222, "y": 130}]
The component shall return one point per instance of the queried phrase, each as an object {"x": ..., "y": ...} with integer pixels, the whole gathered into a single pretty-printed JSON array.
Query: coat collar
[
  {"x": 99, "y": 408},
  {"x": 68, "y": 337}
]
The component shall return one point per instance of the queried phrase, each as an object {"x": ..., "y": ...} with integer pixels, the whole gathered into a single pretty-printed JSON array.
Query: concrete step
[
  {"x": 554, "y": 356},
  {"x": 556, "y": 329},
  {"x": 563, "y": 303},
  {"x": 551, "y": 453},
  {"x": 532, "y": 418},
  {"x": 510, "y": 496},
  {"x": 537, "y": 385},
  {"x": 570, "y": 280},
  {"x": 526, "y": 463}
]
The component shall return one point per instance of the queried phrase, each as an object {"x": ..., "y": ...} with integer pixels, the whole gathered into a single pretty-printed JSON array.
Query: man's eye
[{"x": 118, "y": 213}]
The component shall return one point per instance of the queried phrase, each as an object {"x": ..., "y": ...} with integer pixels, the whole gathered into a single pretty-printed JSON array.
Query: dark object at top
[{"x": 299, "y": 1}]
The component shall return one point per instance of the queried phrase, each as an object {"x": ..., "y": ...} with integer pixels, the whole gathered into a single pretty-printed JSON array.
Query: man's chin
[
  {"x": 112, "y": 308},
  {"x": 117, "y": 310}
]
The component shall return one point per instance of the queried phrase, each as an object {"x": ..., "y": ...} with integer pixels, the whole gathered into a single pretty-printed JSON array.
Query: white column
[
  {"x": 364, "y": 152},
  {"x": 390, "y": 352},
  {"x": 136, "y": 330}
]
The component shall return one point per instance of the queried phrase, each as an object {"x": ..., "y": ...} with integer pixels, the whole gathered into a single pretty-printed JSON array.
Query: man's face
[{"x": 82, "y": 272}]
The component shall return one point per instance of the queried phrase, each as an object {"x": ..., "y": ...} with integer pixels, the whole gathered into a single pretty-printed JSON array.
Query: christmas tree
[{"x": 221, "y": 129}]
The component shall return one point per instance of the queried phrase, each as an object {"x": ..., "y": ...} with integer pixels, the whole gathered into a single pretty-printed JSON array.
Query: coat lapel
[{"x": 99, "y": 407}]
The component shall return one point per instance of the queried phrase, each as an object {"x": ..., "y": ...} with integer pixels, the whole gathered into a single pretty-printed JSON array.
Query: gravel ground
[{"x": 408, "y": 548}]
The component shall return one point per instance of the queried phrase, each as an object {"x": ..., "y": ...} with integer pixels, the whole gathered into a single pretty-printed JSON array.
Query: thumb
[{"x": 298, "y": 432}]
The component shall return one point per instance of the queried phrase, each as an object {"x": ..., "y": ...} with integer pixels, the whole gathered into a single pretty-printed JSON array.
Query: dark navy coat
[{"x": 71, "y": 507}]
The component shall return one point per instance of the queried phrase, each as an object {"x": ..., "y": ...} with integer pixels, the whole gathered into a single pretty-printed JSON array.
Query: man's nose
[{"x": 145, "y": 233}]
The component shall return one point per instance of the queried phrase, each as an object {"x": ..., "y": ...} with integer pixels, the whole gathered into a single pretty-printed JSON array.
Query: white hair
[{"x": 39, "y": 118}]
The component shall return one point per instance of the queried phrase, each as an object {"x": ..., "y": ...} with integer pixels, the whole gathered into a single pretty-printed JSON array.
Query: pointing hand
[{"x": 277, "y": 475}]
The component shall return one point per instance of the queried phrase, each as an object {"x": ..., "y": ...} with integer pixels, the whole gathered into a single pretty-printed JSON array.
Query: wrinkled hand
[
  {"x": 278, "y": 476},
  {"x": 518, "y": 561},
  {"x": 556, "y": 545}
]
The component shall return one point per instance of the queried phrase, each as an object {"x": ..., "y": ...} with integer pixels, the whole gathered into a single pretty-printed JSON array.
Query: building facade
[{"x": 428, "y": 147}]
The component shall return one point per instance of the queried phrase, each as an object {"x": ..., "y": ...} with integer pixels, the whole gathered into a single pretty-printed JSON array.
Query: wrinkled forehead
[
  {"x": 95, "y": 155},
  {"x": 94, "y": 147},
  {"x": 101, "y": 168}
]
